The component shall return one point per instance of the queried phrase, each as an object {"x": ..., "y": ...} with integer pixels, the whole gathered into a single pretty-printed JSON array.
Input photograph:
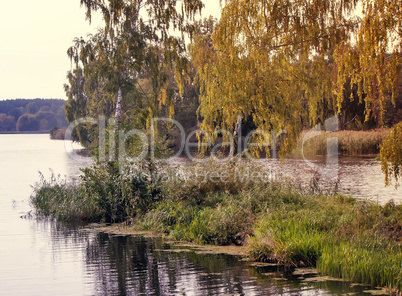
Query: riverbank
[
  {"x": 24, "y": 132},
  {"x": 221, "y": 204}
]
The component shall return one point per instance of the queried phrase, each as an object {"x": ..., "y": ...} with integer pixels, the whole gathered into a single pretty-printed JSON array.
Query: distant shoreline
[{"x": 24, "y": 133}]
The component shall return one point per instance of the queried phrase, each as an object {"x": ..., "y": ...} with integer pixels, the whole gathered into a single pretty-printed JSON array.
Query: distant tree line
[{"x": 30, "y": 115}]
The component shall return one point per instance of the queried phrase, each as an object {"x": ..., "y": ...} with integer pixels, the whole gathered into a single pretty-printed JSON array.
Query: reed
[
  {"x": 350, "y": 143},
  {"x": 363, "y": 263}
]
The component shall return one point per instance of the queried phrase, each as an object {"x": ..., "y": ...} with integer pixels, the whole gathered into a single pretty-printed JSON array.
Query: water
[
  {"x": 358, "y": 177},
  {"x": 42, "y": 257}
]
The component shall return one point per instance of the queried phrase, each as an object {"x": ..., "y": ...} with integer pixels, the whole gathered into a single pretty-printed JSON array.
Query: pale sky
[{"x": 34, "y": 38}]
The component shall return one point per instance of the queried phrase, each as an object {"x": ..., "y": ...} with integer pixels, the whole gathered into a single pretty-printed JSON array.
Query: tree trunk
[
  {"x": 118, "y": 113},
  {"x": 118, "y": 107},
  {"x": 237, "y": 135}
]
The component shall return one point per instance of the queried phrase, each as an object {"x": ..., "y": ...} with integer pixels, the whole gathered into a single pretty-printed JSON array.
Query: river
[{"x": 43, "y": 257}]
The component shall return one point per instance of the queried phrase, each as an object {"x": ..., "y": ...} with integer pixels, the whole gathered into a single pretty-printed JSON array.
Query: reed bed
[{"x": 350, "y": 143}]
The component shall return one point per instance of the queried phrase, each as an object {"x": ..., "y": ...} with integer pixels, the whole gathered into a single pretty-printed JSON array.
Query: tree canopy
[
  {"x": 31, "y": 115},
  {"x": 123, "y": 70},
  {"x": 391, "y": 155},
  {"x": 279, "y": 65},
  {"x": 289, "y": 64},
  {"x": 373, "y": 59}
]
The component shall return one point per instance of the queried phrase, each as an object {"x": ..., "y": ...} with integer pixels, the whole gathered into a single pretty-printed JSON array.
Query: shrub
[{"x": 104, "y": 194}]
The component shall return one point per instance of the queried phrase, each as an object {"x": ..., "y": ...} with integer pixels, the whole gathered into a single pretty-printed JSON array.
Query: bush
[{"x": 104, "y": 194}]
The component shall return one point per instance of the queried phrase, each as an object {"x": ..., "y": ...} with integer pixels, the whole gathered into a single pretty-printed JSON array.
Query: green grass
[
  {"x": 364, "y": 262},
  {"x": 104, "y": 194},
  {"x": 353, "y": 240},
  {"x": 215, "y": 203}
]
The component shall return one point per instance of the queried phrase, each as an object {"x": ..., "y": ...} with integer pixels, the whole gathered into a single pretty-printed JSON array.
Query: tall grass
[
  {"x": 104, "y": 194},
  {"x": 350, "y": 143},
  {"x": 342, "y": 237},
  {"x": 361, "y": 262}
]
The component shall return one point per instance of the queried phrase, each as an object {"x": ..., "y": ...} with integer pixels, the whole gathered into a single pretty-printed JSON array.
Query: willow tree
[
  {"x": 373, "y": 59},
  {"x": 137, "y": 40},
  {"x": 270, "y": 60},
  {"x": 373, "y": 62},
  {"x": 391, "y": 155}
]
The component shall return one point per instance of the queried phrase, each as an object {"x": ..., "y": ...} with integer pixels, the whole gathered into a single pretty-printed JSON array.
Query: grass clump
[
  {"x": 377, "y": 264},
  {"x": 104, "y": 194},
  {"x": 224, "y": 223}
]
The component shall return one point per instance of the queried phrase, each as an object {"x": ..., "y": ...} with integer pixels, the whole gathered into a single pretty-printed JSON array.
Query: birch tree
[{"x": 137, "y": 39}]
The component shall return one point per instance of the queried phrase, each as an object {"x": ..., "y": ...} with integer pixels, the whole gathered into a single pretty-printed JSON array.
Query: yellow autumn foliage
[{"x": 391, "y": 155}]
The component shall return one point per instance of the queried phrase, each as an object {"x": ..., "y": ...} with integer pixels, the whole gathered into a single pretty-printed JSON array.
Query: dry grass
[{"x": 350, "y": 143}]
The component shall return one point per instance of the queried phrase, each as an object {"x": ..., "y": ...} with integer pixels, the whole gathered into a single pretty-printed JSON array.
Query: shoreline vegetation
[
  {"x": 57, "y": 133},
  {"x": 236, "y": 203},
  {"x": 350, "y": 142},
  {"x": 25, "y": 133}
]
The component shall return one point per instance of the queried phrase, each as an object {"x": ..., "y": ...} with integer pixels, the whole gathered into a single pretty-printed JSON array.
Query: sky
[{"x": 34, "y": 38}]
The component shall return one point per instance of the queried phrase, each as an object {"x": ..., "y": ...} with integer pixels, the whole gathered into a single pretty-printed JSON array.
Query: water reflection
[
  {"x": 138, "y": 265},
  {"x": 359, "y": 177}
]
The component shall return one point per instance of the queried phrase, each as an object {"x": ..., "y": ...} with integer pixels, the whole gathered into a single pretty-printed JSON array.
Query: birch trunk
[
  {"x": 118, "y": 106},
  {"x": 118, "y": 113}
]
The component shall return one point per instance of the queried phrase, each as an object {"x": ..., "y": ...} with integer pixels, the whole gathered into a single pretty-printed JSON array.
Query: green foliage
[
  {"x": 289, "y": 64},
  {"x": 361, "y": 261},
  {"x": 167, "y": 214},
  {"x": 373, "y": 61},
  {"x": 391, "y": 155},
  {"x": 133, "y": 69},
  {"x": 343, "y": 237},
  {"x": 104, "y": 194},
  {"x": 354, "y": 240},
  {"x": 119, "y": 195},
  {"x": 66, "y": 201},
  {"x": 225, "y": 223}
]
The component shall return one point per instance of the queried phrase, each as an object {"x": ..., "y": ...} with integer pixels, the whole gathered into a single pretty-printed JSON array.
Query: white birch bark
[
  {"x": 118, "y": 113},
  {"x": 118, "y": 106}
]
